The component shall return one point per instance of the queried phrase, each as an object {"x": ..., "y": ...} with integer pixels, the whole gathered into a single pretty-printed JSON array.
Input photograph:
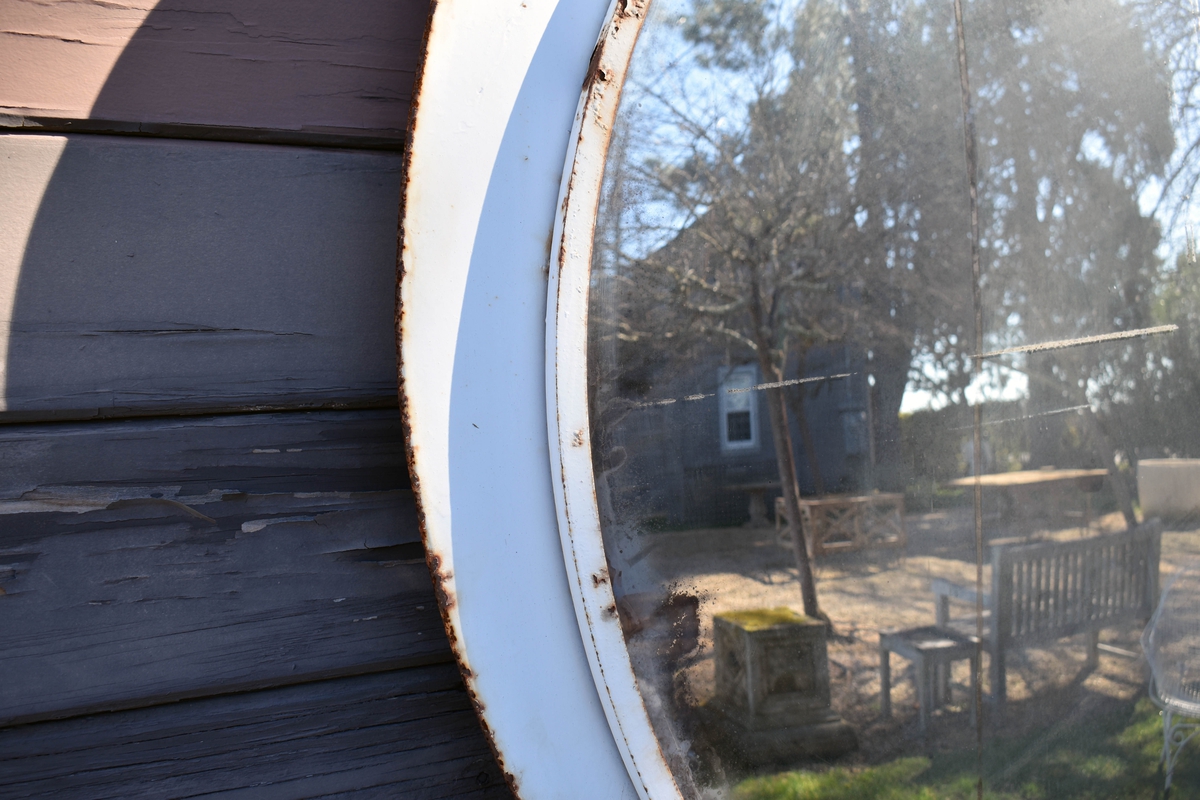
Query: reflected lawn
[{"x": 1112, "y": 754}]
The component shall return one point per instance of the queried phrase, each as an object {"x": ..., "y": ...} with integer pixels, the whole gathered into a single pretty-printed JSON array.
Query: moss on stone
[{"x": 757, "y": 619}]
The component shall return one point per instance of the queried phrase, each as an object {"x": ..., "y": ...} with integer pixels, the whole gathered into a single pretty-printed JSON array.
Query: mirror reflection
[{"x": 893, "y": 375}]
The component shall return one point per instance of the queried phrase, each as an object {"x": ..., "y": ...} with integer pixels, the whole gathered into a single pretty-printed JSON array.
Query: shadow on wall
[{"x": 174, "y": 274}]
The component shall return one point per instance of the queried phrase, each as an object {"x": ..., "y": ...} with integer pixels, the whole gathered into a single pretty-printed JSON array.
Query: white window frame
[
  {"x": 492, "y": 340},
  {"x": 741, "y": 377}
]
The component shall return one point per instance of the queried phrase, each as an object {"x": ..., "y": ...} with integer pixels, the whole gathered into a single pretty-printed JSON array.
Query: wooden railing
[{"x": 837, "y": 524}]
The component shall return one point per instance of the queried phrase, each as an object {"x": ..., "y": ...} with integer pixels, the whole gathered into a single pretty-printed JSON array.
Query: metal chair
[{"x": 1171, "y": 643}]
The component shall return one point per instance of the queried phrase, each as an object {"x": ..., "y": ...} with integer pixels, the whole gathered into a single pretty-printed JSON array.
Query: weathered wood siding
[
  {"x": 316, "y": 451},
  {"x": 211, "y": 575},
  {"x": 187, "y": 557},
  {"x": 151, "y": 274},
  {"x": 332, "y": 68},
  {"x": 403, "y": 734},
  {"x": 245, "y": 594}
]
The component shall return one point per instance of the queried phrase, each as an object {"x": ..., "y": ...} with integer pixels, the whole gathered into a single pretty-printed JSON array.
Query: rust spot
[
  {"x": 594, "y": 64},
  {"x": 549, "y": 252},
  {"x": 477, "y": 704},
  {"x": 446, "y": 601},
  {"x": 610, "y": 611},
  {"x": 599, "y": 578},
  {"x": 577, "y": 439},
  {"x": 441, "y": 579}
]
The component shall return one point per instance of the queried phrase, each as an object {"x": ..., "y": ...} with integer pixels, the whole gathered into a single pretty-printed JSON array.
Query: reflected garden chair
[{"x": 1172, "y": 645}]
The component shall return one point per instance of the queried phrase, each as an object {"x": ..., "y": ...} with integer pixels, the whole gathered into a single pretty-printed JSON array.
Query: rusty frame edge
[
  {"x": 451, "y": 128},
  {"x": 442, "y": 581},
  {"x": 567, "y": 404}
]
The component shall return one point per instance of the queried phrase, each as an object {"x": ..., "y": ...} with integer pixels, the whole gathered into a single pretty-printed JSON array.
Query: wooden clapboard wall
[{"x": 211, "y": 576}]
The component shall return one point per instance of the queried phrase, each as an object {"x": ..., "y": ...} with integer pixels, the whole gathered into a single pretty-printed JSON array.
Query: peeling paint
[{"x": 442, "y": 586}]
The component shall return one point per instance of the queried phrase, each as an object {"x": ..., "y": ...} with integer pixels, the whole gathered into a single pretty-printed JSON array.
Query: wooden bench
[
  {"x": 836, "y": 524},
  {"x": 1048, "y": 590}
]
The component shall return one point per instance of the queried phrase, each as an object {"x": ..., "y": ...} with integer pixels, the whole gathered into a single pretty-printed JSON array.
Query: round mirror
[{"x": 874, "y": 367}]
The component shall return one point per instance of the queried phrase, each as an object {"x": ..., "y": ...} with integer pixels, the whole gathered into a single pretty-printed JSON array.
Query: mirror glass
[{"x": 894, "y": 374}]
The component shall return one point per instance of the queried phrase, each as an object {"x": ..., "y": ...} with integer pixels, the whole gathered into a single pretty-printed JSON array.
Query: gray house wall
[{"x": 678, "y": 474}]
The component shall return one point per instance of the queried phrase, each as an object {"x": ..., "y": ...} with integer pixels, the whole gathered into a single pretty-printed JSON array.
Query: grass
[{"x": 1113, "y": 754}]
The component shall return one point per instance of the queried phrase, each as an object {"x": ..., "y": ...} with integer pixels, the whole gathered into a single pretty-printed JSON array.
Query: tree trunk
[
  {"x": 892, "y": 342},
  {"x": 1108, "y": 453},
  {"x": 781, "y": 435},
  {"x": 785, "y": 458}
]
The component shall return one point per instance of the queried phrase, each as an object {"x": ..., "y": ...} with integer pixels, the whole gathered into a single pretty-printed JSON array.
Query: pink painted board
[{"x": 291, "y": 65}]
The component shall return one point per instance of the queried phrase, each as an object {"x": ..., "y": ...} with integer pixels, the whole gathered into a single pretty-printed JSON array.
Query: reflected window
[{"x": 739, "y": 409}]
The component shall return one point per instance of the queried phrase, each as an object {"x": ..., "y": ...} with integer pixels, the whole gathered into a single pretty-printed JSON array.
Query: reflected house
[
  {"x": 675, "y": 332},
  {"x": 699, "y": 446},
  {"x": 678, "y": 330}
]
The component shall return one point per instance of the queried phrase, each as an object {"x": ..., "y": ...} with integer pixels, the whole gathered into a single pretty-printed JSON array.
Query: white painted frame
[{"x": 494, "y": 383}]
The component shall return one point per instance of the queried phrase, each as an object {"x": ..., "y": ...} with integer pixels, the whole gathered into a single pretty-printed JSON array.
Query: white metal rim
[
  {"x": 484, "y": 186},
  {"x": 567, "y": 402}
]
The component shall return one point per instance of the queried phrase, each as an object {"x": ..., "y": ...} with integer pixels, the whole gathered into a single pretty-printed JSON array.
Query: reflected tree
[
  {"x": 757, "y": 265},
  {"x": 801, "y": 189},
  {"x": 790, "y": 177},
  {"x": 1076, "y": 127}
]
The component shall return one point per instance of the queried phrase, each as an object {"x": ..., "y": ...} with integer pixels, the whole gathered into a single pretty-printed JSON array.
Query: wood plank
[
  {"x": 307, "y": 451},
  {"x": 14, "y": 123},
  {"x": 302, "y": 65},
  {"x": 156, "y": 598},
  {"x": 151, "y": 276},
  {"x": 116, "y": 591},
  {"x": 409, "y": 733}
]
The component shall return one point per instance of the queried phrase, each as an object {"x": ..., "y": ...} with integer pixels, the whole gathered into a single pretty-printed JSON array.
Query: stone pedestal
[
  {"x": 771, "y": 701},
  {"x": 1169, "y": 487}
]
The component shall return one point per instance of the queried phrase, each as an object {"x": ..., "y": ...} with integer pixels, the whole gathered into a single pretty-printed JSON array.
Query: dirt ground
[{"x": 745, "y": 568}]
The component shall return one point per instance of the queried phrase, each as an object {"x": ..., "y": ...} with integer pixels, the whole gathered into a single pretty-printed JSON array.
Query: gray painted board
[
  {"x": 156, "y": 276},
  {"x": 307, "y": 451},
  {"x": 145, "y": 560},
  {"x": 409, "y": 733},
  {"x": 345, "y": 68},
  {"x": 146, "y": 600}
]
